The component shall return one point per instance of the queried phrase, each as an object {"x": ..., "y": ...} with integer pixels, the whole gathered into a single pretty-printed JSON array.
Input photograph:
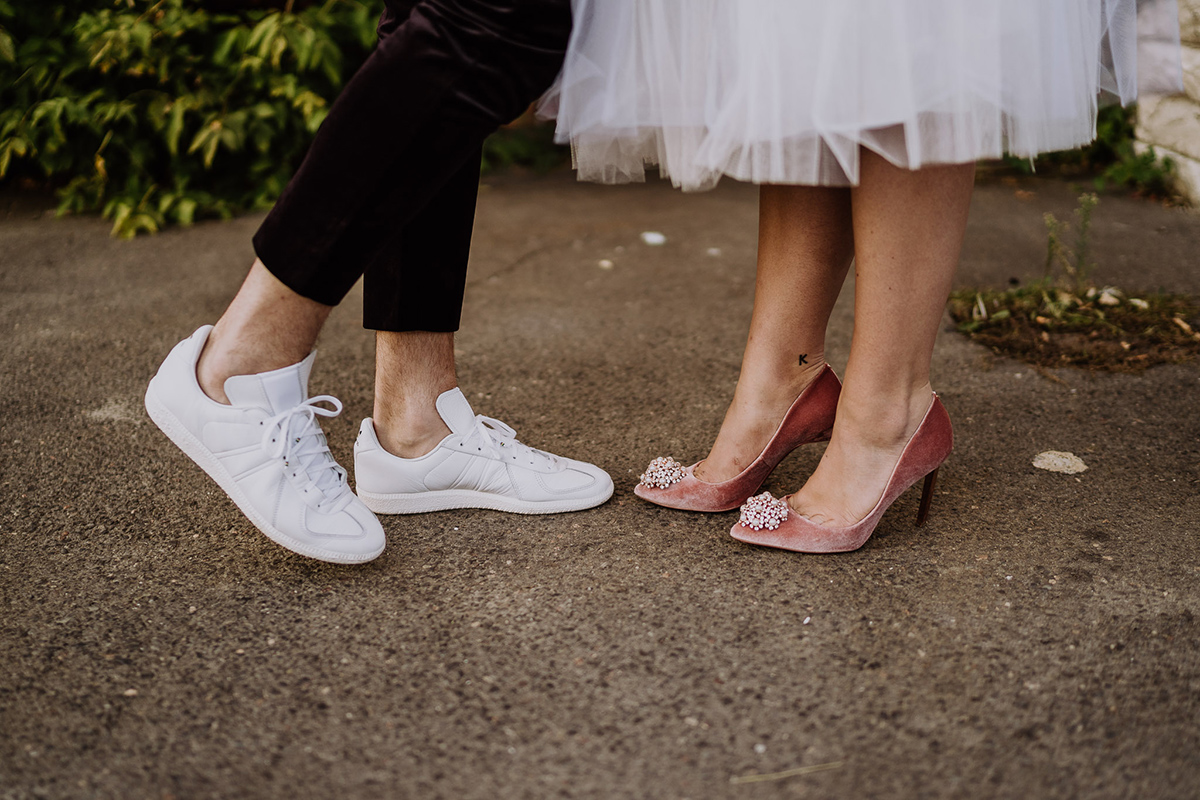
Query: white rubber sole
[
  {"x": 194, "y": 449},
  {"x": 447, "y": 499}
]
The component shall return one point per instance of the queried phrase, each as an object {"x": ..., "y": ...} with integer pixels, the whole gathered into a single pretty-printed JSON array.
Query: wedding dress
[{"x": 788, "y": 91}]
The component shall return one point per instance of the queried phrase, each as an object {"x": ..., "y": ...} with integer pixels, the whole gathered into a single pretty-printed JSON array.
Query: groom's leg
[
  {"x": 409, "y": 120},
  {"x": 412, "y": 295},
  {"x": 417, "y": 282},
  {"x": 404, "y": 133}
]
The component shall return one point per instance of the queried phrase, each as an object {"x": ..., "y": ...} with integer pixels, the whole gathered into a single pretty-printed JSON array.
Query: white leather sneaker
[
  {"x": 267, "y": 452},
  {"x": 479, "y": 465}
]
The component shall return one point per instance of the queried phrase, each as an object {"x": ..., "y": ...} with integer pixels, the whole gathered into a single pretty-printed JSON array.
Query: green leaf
[
  {"x": 8, "y": 48},
  {"x": 185, "y": 211},
  {"x": 263, "y": 36},
  {"x": 14, "y": 146},
  {"x": 121, "y": 213},
  {"x": 210, "y": 148},
  {"x": 175, "y": 126},
  {"x": 210, "y": 132},
  {"x": 227, "y": 43}
]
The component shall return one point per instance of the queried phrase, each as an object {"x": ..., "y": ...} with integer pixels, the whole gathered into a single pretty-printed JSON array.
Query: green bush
[{"x": 164, "y": 112}]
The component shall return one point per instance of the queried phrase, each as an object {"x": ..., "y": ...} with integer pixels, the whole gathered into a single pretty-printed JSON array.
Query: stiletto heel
[
  {"x": 766, "y": 521},
  {"x": 926, "y": 497},
  {"x": 668, "y": 483}
]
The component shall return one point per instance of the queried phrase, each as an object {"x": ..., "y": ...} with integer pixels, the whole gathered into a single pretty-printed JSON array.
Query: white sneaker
[
  {"x": 479, "y": 465},
  {"x": 267, "y": 452}
]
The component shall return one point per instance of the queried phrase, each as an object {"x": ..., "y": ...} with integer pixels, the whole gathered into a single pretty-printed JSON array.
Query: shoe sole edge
[
  {"x": 451, "y": 499},
  {"x": 194, "y": 449}
]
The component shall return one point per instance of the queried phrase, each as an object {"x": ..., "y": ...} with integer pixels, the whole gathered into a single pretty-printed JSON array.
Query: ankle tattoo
[{"x": 803, "y": 359}]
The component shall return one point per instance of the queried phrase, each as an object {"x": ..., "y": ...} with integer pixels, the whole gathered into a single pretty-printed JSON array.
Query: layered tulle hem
[{"x": 791, "y": 91}]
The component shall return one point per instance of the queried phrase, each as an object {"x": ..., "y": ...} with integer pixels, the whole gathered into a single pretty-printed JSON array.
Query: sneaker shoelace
[
  {"x": 494, "y": 437},
  {"x": 295, "y": 436}
]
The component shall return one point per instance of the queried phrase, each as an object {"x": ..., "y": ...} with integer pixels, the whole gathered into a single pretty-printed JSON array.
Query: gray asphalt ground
[{"x": 1037, "y": 638}]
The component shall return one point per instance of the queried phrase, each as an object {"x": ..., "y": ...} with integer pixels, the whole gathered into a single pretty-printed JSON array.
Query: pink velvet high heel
[
  {"x": 810, "y": 419},
  {"x": 771, "y": 523}
]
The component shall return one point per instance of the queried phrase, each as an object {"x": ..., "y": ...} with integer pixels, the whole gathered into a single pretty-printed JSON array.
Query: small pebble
[
  {"x": 760, "y": 748},
  {"x": 1059, "y": 461},
  {"x": 714, "y": 252},
  {"x": 1138, "y": 303},
  {"x": 130, "y": 692},
  {"x": 605, "y": 264},
  {"x": 653, "y": 238}
]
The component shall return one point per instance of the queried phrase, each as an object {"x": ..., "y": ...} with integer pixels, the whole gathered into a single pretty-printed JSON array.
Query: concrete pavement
[{"x": 1038, "y": 637}]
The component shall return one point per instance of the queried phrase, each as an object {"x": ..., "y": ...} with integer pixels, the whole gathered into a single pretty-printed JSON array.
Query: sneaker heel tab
[
  {"x": 201, "y": 333},
  {"x": 366, "y": 435}
]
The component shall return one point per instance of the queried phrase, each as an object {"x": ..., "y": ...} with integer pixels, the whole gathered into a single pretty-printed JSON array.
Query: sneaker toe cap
[
  {"x": 577, "y": 480},
  {"x": 353, "y": 532}
]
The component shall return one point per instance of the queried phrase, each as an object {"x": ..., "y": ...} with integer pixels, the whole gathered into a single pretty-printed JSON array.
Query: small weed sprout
[{"x": 1075, "y": 262}]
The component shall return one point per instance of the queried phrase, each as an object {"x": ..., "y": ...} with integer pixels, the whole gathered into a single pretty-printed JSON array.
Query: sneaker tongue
[
  {"x": 456, "y": 411},
  {"x": 277, "y": 390}
]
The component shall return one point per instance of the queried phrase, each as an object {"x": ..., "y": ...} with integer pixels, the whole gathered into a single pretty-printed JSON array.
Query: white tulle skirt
[{"x": 788, "y": 91}]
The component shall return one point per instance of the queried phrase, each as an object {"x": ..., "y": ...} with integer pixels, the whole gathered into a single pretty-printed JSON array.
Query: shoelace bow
[
  {"x": 500, "y": 440},
  {"x": 295, "y": 436}
]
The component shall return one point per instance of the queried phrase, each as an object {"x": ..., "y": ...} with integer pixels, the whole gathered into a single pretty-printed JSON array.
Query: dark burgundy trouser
[{"x": 388, "y": 187}]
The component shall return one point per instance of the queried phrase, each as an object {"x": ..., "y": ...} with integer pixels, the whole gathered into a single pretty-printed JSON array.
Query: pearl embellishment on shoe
[
  {"x": 763, "y": 511},
  {"x": 663, "y": 472}
]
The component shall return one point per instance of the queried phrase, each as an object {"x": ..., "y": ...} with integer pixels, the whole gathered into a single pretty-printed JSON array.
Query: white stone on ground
[{"x": 1059, "y": 461}]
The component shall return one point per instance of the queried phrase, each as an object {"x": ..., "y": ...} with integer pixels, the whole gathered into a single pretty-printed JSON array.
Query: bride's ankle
[
  {"x": 775, "y": 385},
  {"x": 884, "y": 419}
]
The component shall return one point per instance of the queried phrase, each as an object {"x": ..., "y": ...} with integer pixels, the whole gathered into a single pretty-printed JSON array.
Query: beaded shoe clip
[
  {"x": 763, "y": 511},
  {"x": 663, "y": 472}
]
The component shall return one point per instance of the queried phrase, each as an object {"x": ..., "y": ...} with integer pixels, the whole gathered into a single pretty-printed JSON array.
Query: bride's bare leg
[
  {"x": 805, "y": 246},
  {"x": 908, "y": 232}
]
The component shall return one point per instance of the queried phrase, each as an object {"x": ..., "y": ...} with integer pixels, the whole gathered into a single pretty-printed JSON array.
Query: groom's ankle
[{"x": 411, "y": 436}]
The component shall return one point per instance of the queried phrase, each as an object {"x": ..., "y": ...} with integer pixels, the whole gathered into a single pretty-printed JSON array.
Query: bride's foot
[
  {"x": 809, "y": 419},
  {"x": 868, "y": 439},
  {"x": 753, "y": 417}
]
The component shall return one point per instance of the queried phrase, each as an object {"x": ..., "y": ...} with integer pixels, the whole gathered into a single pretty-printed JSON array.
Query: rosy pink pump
[
  {"x": 668, "y": 483},
  {"x": 770, "y": 522}
]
